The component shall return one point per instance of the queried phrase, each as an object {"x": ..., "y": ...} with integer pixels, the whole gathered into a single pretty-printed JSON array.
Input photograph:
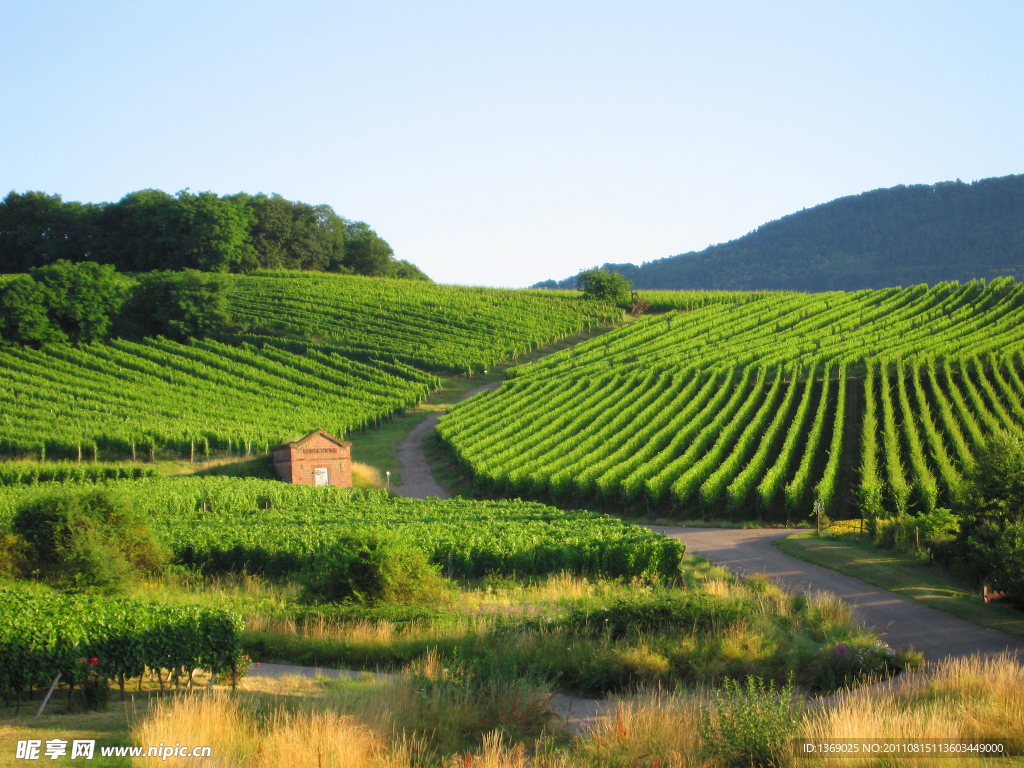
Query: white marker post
[{"x": 388, "y": 486}]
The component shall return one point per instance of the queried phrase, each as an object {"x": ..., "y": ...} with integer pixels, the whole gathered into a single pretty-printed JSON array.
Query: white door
[{"x": 320, "y": 476}]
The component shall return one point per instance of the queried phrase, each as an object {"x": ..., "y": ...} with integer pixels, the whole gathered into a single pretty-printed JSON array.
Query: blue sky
[{"x": 504, "y": 143}]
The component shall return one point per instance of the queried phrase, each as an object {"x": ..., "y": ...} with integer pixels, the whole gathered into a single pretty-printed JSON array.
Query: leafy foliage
[
  {"x": 991, "y": 537},
  {"x": 43, "y": 633},
  {"x": 603, "y": 285},
  {"x": 373, "y": 569},
  {"x": 178, "y": 305},
  {"x": 152, "y": 230},
  {"x": 224, "y": 524},
  {"x": 83, "y": 538},
  {"x": 752, "y": 725},
  {"x": 60, "y": 302}
]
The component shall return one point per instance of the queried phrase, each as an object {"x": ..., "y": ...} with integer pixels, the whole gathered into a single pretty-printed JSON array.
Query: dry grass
[
  {"x": 961, "y": 698},
  {"x": 241, "y": 735},
  {"x": 370, "y": 725},
  {"x": 366, "y": 476}
]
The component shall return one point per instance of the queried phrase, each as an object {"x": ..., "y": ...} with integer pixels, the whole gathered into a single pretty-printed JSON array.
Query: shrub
[
  {"x": 12, "y": 556},
  {"x": 603, "y": 285},
  {"x": 85, "y": 539},
  {"x": 94, "y": 687},
  {"x": 373, "y": 569},
  {"x": 845, "y": 664},
  {"x": 990, "y": 543},
  {"x": 751, "y": 726},
  {"x": 658, "y": 611}
]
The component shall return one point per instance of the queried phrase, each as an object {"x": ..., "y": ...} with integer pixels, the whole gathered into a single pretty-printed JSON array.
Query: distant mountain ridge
[{"x": 902, "y": 235}]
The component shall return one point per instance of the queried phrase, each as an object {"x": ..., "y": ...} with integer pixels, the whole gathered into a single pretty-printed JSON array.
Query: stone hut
[{"x": 316, "y": 459}]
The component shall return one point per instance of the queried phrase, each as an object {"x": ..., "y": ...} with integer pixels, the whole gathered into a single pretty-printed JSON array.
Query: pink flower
[{"x": 95, "y": 661}]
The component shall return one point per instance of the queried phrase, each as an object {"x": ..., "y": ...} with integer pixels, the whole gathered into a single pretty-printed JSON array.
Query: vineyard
[
  {"x": 344, "y": 353},
  {"x": 877, "y": 398},
  {"x": 268, "y": 527},
  {"x": 438, "y": 328},
  {"x": 46, "y": 633}
]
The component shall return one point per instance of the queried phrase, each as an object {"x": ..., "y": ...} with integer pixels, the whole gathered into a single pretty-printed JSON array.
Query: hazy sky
[{"x": 505, "y": 143}]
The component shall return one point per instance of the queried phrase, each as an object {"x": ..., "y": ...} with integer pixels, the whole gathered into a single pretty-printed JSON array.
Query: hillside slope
[
  {"x": 882, "y": 398},
  {"x": 305, "y": 350},
  {"x": 886, "y": 237}
]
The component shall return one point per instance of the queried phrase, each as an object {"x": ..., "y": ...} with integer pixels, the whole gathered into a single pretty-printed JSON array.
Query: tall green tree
[
  {"x": 80, "y": 299},
  {"x": 177, "y": 305},
  {"x": 23, "y": 317},
  {"x": 603, "y": 285},
  {"x": 295, "y": 235},
  {"x": 37, "y": 229},
  {"x": 366, "y": 253},
  {"x": 991, "y": 537}
]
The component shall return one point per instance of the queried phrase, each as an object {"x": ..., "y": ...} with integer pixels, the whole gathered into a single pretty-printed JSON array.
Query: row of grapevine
[
  {"x": 31, "y": 473},
  {"x": 926, "y": 408},
  {"x": 46, "y": 633},
  {"x": 825, "y": 490},
  {"x": 835, "y": 327},
  {"x": 223, "y": 524},
  {"x": 440, "y": 328}
]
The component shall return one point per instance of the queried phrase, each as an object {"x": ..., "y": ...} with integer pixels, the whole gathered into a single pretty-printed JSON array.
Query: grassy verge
[
  {"x": 586, "y": 635},
  {"x": 904, "y": 574},
  {"x": 432, "y": 717}
]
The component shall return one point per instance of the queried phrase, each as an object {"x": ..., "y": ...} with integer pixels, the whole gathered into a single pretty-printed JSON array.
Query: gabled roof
[{"x": 303, "y": 440}]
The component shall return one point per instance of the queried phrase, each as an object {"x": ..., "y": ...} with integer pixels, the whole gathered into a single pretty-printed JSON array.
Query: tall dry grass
[
  {"x": 961, "y": 698},
  {"x": 366, "y": 476},
  {"x": 392, "y": 724},
  {"x": 241, "y": 734}
]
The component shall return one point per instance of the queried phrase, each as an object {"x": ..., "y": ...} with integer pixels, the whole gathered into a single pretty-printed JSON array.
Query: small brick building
[{"x": 316, "y": 459}]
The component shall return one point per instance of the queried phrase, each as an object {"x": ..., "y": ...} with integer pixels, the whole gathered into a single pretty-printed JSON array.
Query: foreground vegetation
[
  {"x": 225, "y": 524},
  {"x": 911, "y": 574},
  {"x": 431, "y": 717}
]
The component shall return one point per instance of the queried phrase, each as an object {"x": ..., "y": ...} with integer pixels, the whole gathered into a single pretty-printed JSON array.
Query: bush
[
  {"x": 85, "y": 539},
  {"x": 94, "y": 686},
  {"x": 751, "y": 726},
  {"x": 12, "y": 556},
  {"x": 603, "y": 285},
  {"x": 990, "y": 542},
  {"x": 903, "y": 533},
  {"x": 658, "y": 611},
  {"x": 373, "y": 569},
  {"x": 843, "y": 665}
]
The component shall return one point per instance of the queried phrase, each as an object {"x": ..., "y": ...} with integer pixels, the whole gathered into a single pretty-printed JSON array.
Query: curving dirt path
[
  {"x": 901, "y": 621},
  {"x": 577, "y": 714},
  {"x": 417, "y": 480}
]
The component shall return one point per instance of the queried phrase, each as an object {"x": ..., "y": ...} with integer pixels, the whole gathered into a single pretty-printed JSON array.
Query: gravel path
[
  {"x": 578, "y": 714},
  {"x": 900, "y": 620},
  {"x": 417, "y": 480}
]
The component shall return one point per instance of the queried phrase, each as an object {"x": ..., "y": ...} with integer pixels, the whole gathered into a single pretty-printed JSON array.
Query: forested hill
[{"x": 887, "y": 237}]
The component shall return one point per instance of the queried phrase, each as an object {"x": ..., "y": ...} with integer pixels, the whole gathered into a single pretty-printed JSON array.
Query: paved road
[
  {"x": 901, "y": 621},
  {"x": 417, "y": 480}
]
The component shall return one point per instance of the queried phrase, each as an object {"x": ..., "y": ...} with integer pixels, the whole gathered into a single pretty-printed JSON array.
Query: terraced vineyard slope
[
  {"x": 438, "y": 328},
  {"x": 759, "y": 408},
  {"x": 329, "y": 351}
]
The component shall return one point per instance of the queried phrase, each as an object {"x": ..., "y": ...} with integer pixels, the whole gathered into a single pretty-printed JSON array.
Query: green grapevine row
[
  {"x": 222, "y": 524},
  {"x": 46, "y": 633}
]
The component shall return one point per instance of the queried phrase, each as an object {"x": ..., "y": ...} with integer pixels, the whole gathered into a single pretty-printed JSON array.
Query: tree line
[
  {"x": 153, "y": 230},
  {"x": 83, "y": 302}
]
